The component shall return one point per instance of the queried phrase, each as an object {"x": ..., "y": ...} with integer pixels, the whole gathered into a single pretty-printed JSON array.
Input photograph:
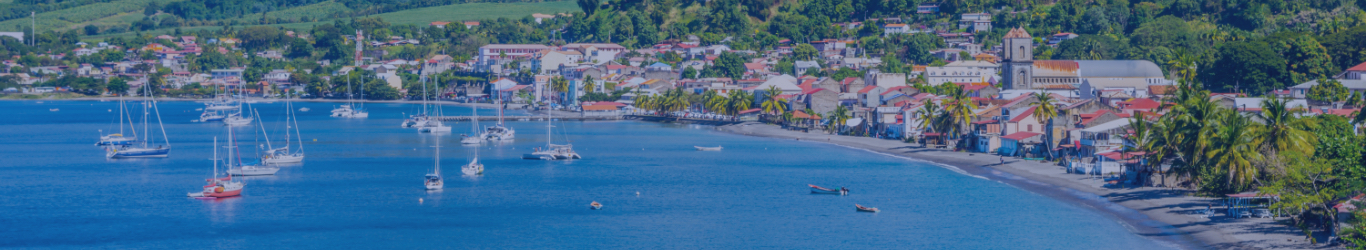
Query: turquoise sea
[{"x": 361, "y": 188}]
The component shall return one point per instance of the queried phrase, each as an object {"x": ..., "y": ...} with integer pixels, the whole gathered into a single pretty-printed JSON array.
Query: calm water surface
[{"x": 361, "y": 184}]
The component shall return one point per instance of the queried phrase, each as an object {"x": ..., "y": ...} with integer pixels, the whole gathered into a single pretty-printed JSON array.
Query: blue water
[{"x": 361, "y": 183}]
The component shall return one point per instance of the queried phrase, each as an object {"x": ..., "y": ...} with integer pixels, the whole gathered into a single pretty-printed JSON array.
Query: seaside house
[{"x": 1019, "y": 144}]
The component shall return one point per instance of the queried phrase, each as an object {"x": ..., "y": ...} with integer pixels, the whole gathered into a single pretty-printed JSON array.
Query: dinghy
[
  {"x": 820, "y": 190},
  {"x": 701, "y": 148},
  {"x": 865, "y": 209},
  {"x": 595, "y": 206}
]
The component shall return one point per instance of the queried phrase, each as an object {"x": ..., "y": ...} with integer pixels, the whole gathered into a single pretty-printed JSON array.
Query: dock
[{"x": 526, "y": 118}]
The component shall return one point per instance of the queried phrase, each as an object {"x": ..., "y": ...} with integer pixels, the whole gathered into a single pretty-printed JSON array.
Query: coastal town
[{"x": 1233, "y": 153}]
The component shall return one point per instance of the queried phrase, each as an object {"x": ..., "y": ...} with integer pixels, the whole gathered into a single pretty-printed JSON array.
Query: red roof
[
  {"x": 598, "y": 107},
  {"x": 812, "y": 91},
  {"x": 1359, "y": 67},
  {"x": 867, "y": 89},
  {"x": 1023, "y": 115},
  {"x": 890, "y": 90},
  {"x": 618, "y": 104},
  {"x": 754, "y": 66},
  {"x": 1020, "y": 135},
  {"x": 516, "y": 88},
  {"x": 747, "y": 111},
  {"x": 1140, "y": 103}
]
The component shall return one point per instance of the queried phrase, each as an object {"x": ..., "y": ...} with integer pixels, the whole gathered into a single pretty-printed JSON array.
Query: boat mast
[
  {"x": 296, "y": 128},
  {"x": 438, "y": 157},
  {"x": 146, "y": 91},
  {"x": 263, "y": 130},
  {"x": 157, "y": 109},
  {"x": 215, "y": 158}
]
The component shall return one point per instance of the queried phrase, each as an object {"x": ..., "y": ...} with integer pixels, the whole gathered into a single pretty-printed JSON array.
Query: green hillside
[{"x": 117, "y": 18}]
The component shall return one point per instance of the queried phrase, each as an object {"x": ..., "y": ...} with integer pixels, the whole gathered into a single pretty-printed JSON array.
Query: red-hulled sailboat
[{"x": 218, "y": 187}]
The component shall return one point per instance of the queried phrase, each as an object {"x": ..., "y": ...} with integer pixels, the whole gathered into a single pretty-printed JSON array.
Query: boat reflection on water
[{"x": 222, "y": 210}]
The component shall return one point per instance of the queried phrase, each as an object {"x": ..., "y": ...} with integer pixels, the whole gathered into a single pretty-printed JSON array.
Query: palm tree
[
  {"x": 927, "y": 115},
  {"x": 838, "y": 117},
  {"x": 718, "y": 104},
  {"x": 1044, "y": 112},
  {"x": 1142, "y": 138},
  {"x": 960, "y": 108},
  {"x": 643, "y": 102},
  {"x": 560, "y": 85},
  {"x": 1282, "y": 130},
  {"x": 1235, "y": 148},
  {"x": 773, "y": 104},
  {"x": 739, "y": 101}
]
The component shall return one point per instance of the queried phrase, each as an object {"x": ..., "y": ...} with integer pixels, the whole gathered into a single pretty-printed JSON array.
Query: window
[{"x": 1029, "y": 127}]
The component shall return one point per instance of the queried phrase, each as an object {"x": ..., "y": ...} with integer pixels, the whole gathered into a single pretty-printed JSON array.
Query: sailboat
[
  {"x": 282, "y": 154},
  {"x": 433, "y": 180},
  {"x": 552, "y": 151},
  {"x": 350, "y": 109},
  {"x": 236, "y": 118},
  {"x": 420, "y": 119},
  {"x": 216, "y": 187},
  {"x": 474, "y": 168},
  {"x": 243, "y": 169},
  {"x": 144, "y": 150},
  {"x": 118, "y": 139},
  {"x": 474, "y": 130},
  {"x": 432, "y": 125},
  {"x": 499, "y": 132}
]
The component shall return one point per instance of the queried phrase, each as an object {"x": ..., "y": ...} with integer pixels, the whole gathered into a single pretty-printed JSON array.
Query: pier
[{"x": 529, "y": 118}]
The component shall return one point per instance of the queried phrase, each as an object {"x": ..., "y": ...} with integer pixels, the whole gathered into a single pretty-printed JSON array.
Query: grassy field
[
  {"x": 476, "y": 11},
  {"x": 77, "y": 17},
  {"x": 449, "y": 13}
]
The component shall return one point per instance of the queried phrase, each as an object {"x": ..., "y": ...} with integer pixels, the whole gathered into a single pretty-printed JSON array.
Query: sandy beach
[{"x": 1165, "y": 215}]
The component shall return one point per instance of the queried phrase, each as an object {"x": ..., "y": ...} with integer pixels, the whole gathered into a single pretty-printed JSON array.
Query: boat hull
[
  {"x": 291, "y": 158},
  {"x": 116, "y": 142},
  {"x": 140, "y": 153},
  {"x": 442, "y": 129},
  {"x": 252, "y": 171}
]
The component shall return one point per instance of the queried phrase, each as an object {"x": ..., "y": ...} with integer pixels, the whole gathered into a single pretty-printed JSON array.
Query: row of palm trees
[
  {"x": 952, "y": 119},
  {"x": 1217, "y": 149},
  {"x": 679, "y": 100}
]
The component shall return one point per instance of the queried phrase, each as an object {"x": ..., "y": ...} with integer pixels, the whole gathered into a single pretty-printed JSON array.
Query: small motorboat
[
  {"x": 53, "y": 110},
  {"x": 865, "y": 209},
  {"x": 701, "y": 148},
  {"x": 304, "y": 109},
  {"x": 595, "y": 206},
  {"x": 820, "y": 190}
]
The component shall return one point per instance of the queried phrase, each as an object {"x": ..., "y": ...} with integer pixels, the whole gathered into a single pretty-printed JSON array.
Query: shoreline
[
  {"x": 1166, "y": 216},
  {"x": 265, "y": 100}
]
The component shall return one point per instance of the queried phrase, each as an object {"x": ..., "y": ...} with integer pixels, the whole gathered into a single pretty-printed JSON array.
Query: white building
[{"x": 961, "y": 72}]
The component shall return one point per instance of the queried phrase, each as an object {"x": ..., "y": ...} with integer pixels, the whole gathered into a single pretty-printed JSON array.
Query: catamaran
[
  {"x": 433, "y": 179},
  {"x": 216, "y": 187},
  {"x": 145, "y": 150},
  {"x": 498, "y": 132},
  {"x": 243, "y": 169},
  {"x": 552, "y": 151},
  {"x": 118, "y": 139},
  {"x": 282, "y": 154}
]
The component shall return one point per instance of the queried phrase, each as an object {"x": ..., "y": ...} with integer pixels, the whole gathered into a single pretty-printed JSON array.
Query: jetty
[{"x": 531, "y": 118}]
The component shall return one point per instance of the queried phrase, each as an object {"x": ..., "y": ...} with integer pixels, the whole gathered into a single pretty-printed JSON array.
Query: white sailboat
[
  {"x": 118, "y": 139},
  {"x": 474, "y": 167},
  {"x": 433, "y": 179},
  {"x": 474, "y": 130},
  {"x": 431, "y": 125},
  {"x": 498, "y": 132},
  {"x": 244, "y": 169},
  {"x": 552, "y": 151},
  {"x": 420, "y": 119},
  {"x": 236, "y": 118},
  {"x": 283, "y": 154},
  {"x": 350, "y": 109},
  {"x": 145, "y": 150}
]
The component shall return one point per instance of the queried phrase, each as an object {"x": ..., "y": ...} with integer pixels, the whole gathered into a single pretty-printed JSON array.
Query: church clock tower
[{"x": 1018, "y": 52}]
